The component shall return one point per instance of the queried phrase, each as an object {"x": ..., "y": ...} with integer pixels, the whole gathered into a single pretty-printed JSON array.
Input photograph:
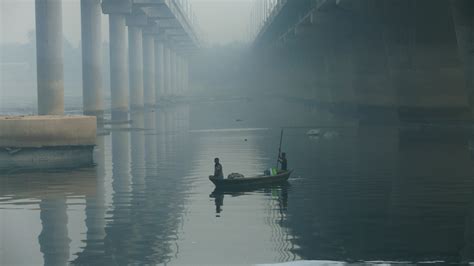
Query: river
[{"x": 376, "y": 193}]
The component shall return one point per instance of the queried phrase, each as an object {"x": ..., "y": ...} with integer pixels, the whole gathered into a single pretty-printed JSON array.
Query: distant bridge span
[{"x": 413, "y": 57}]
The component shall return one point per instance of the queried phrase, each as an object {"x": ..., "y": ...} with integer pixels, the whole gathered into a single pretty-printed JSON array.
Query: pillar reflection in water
[
  {"x": 168, "y": 129},
  {"x": 95, "y": 210},
  {"x": 119, "y": 226},
  {"x": 167, "y": 184},
  {"x": 120, "y": 162},
  {"x": 150, "y": 148},
  {"x": 135, "y": 237},
  {"x": 53, "y": 239},
  {"x": 146, "y": 220},
  {"x": 55, "y": 192},
  {"x": 166, "y": 70},
  {"x": 138, "y": 144},
  {"x": 147, "y": 199},
  {"x": 161, "y": 133}
]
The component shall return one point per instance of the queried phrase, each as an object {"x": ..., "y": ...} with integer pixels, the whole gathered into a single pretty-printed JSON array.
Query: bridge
[
  {"x": 412, "y": 59},
  {"x": 161, "y": 33},
  {"x": 400, "y": 59},
  {"x": 148, "y": 64}
]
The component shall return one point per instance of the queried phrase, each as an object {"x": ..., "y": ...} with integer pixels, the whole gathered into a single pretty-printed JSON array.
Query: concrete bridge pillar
[
  {"x": 135, "y": 23},
  {"x": 424, "y": 65},
  {"x": 49, "y": 56},
  {"x": 179, "y": 78},
  {"x": 186, "y": 76},
  {"x": 172, "y": 72},
  {"x": 179, "y": 71},
  {"x": 178, "y": 74},
  {"x": 166, "y": 71},
  {"x": 373, "y": 89},
  {"x": 118, "y": 62},
  {"x": 50, "y": 140},
  {"x": 149, "y": 69},
  {"x": 159, "y": 71},
  {"x": 118, "y": 10},
  {"x": 403, "y": 69},
  {"x": 463, "y": 14},
  {"x": 135, "y": 40},
  {"x": 175, "y": 73},
  {"x": 91, "y": 34},
  {"x": 181, "y": 75}
]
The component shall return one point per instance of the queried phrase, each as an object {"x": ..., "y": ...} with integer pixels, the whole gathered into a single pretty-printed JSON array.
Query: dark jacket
[
  {"x": 284, "y": 163},
  {"x": 218, "y": 173}
]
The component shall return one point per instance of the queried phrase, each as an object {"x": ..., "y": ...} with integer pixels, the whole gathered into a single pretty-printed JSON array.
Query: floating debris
[
  {"x": 331, "y": 134},
  {"x": 314, "y": 132}
]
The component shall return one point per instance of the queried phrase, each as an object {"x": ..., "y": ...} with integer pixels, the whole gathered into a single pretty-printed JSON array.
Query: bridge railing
[
  {"x": 261, "y": 15},
  {"x": 264, "y": 12},
  {"x": 187, "y": 18}
]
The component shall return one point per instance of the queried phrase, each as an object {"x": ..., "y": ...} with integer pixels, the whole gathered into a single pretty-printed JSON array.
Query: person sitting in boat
[
  {"x": 218, "y": 173},
  {"x": 283, "y": 161}
]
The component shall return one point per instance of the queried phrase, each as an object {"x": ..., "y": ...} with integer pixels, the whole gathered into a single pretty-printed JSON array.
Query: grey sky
[{"x": 221, "y": 21}]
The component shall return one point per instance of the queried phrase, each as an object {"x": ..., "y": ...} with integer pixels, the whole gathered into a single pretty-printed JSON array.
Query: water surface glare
[{"x": 360, "y": 193}]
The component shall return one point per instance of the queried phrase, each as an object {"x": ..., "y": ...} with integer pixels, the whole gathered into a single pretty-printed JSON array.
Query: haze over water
[
  {"x": 375, "y": 102},
  {"x": 367, "y": 192}
]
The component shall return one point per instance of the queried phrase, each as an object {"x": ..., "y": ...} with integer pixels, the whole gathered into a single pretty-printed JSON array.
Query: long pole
[{"x": 279, "y": 149}]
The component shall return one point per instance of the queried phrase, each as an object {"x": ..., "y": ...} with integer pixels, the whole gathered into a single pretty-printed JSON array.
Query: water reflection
[
  {"x": 119, "y": 214},
  {"x": 147, "y": 197},
  {"x": 218, "y": 200},
  {"x": 95, "y": 210},
  {"x": 388, "y": 194},
  {"x": 50, "y": 194},
  {"x": 132, "y": 204},
  {"x": 53, "y": 239},
  {"x": 360, "y": 193},
  {"x": 278, "y": 193}
]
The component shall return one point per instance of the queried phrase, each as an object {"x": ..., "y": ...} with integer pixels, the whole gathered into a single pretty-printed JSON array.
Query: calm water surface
[{"x": 360, "y": 192}]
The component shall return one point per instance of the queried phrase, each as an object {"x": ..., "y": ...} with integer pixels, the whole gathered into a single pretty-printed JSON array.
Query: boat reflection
[
  {"x": 273, "y": 211},
  {"x": 277, "y": 192}
]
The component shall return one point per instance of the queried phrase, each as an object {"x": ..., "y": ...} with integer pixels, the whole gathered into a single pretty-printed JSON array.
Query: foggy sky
[{"x": 221, "y": 21}]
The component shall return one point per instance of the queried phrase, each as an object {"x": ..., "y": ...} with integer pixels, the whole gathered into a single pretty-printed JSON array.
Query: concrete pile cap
[{"x": 47, "y": 131}]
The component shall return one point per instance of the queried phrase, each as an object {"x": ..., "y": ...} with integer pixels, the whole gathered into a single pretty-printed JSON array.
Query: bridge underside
[{"x": 409, "y": 58}]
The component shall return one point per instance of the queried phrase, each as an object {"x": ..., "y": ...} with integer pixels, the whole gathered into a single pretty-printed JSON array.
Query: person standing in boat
[
  {"x": 283, "y": 162},
  {"x": 218, "y": 173}
]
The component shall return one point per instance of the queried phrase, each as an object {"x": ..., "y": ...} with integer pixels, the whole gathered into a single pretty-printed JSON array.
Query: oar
[{"x": 279, "y": 149}]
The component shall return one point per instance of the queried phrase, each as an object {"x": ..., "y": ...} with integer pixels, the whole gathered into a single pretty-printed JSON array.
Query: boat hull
[{"x": 251, "y": 181}]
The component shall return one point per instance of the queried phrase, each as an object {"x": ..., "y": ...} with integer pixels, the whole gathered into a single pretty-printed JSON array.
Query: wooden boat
[{"x": 282, "y": 176}]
